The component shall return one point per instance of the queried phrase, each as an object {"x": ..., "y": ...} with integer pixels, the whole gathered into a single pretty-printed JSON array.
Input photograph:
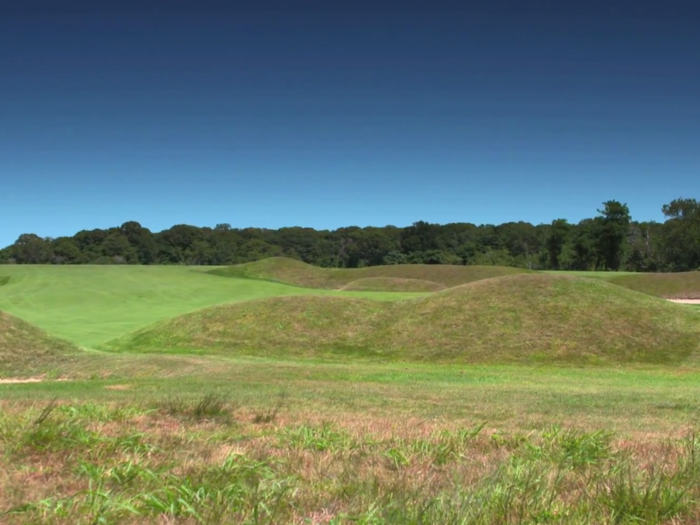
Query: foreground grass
[{"x": 285, "y": 442}]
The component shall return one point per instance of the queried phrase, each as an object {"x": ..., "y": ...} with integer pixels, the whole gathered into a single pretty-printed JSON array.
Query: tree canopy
[{"x": 611, "y": 240}]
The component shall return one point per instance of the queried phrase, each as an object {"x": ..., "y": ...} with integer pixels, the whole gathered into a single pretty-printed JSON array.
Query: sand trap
[
  {"x": 685, "y": 301},
  {"x": 18, "y": 381},
  {"x": 14, "y": 381}
]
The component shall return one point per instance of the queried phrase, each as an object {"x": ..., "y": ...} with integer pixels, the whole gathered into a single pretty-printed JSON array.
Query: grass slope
[
  {"x": 89, "y": 305},
  {"x": 26, "y": 350},
  {"x": 297, "y": 273},
  {"x": 392, "y": 284},
  {"x": 521, "y": 318},
  {"x": 684, "y": 285}
]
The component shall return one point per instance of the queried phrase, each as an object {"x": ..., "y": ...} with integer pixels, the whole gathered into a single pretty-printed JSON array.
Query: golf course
[{"x": 280, "y": 392}]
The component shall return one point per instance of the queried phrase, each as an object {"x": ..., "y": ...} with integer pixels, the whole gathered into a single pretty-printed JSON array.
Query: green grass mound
[
  {"x": 26, "y": 350},
  {"x": 521, "y": 318},
  {"x": 684, "y": 285},
  {"x": 297, "y": 273},
  {"x": 392, "y": 284},
  {"x": 4, "y": 279}
]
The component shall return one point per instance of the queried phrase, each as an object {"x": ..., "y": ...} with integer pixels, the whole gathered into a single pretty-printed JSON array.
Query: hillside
[
  {"x": 684, "y": 285},
  {"x": 297, "y": 273},
  {"x": 392, "y": 284},
  {"x": 520, "y": 318},
  {"x": 26, "y": 350}
]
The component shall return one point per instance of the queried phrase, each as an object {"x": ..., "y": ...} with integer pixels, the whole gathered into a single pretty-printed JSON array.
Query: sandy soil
[
  {"x": 17, "y": 380},
  {"x": 13, "y": 381}
]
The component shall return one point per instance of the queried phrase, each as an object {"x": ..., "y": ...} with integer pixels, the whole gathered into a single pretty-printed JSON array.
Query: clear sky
[{"x": 344, "y": 112}]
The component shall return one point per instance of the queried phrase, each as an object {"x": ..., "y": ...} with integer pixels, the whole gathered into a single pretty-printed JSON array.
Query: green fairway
[{"x": 89, "y": 305}]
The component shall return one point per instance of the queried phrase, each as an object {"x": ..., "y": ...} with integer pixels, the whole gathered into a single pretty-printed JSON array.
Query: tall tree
[
  {"x": 556, "y": 239},
  {"x": 29, "y": 248},
  {"x": 681, "y": 234},
  {"x": 614, "y": 228}
]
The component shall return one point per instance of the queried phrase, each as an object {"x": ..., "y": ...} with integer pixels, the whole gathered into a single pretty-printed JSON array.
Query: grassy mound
[
  {"x": 392, "y": 284},
  {"x": 4, "y": 279},
  {"x": 684, "y": 285},
  {"x": 297, "y": 273},
  {"x": 26, "y": 350},
  {"x": 521, "y": 318}
]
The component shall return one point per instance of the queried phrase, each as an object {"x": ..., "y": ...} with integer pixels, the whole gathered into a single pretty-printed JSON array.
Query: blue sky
[{"x": 327, "y": 114}]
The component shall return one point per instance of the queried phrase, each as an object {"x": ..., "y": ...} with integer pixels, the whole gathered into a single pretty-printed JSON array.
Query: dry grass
[
  {"x": 26, "y": 351},
  {"x": 297, "y": 273},
  {"x": 531, "y": 318},
  {"x": 105, "y": 463},
  {"x": 684, "y": 285},
  {"x": 392, "y": 284}
]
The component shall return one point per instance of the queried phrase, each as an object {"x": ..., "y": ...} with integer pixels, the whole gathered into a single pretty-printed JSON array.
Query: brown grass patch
[{"x": 297, "y": 273}]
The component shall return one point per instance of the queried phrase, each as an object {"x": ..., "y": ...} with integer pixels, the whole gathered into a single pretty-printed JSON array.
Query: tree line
[{"x": 610, "y": 240}]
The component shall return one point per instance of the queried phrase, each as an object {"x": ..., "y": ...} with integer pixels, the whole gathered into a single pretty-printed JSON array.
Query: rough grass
[
  {"x": 521, "y": 318},
  {"x": 85, "y": 463},
  {"x": 26, "y": 350},
  {"x": 684, "y": 285},
  {"x": 297, "y": 273},
  {"x": 4, "y": 279},
  {"x": 211, "y": 440},
  {"x": 392, "y": 284}
]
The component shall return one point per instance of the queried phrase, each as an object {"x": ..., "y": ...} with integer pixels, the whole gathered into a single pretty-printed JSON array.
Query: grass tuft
[{"x": 206, "y": 406}]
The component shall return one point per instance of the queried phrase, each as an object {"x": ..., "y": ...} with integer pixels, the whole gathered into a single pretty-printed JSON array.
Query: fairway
[{"x": 89, "y": 305}]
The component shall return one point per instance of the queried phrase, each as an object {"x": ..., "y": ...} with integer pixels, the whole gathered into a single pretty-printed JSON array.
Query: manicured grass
[
  {"x": 684, "y": 285},
  {"x": 297, "y": 273},
  {"x": 89, "y": 305},
  {"x": 524, "y": 318}
]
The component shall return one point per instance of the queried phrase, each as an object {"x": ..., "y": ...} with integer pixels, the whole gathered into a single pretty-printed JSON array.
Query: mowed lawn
[{"x": 89, "y": 305}]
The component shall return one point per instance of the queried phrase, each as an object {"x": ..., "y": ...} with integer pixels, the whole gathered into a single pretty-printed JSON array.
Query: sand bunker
[
  {"x": 15, "y": 381},
  {"x": 685, "y": 301}
]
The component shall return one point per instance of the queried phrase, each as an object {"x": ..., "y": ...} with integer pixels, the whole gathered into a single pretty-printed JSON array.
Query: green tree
[
  {"x": 116, "y": 246},
  {"x": 681, "y": 234},
  {"x": 65, "y": 251},
  {"x": 29, "y": 248},
  {"x": 556, "y": 239},
  {"x": 142, "y": 240},
  {"x": 614, "y": 220}
]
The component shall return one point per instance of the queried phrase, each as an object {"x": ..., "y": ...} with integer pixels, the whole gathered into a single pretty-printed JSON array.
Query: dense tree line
[{"x": 611, "y": 240}]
